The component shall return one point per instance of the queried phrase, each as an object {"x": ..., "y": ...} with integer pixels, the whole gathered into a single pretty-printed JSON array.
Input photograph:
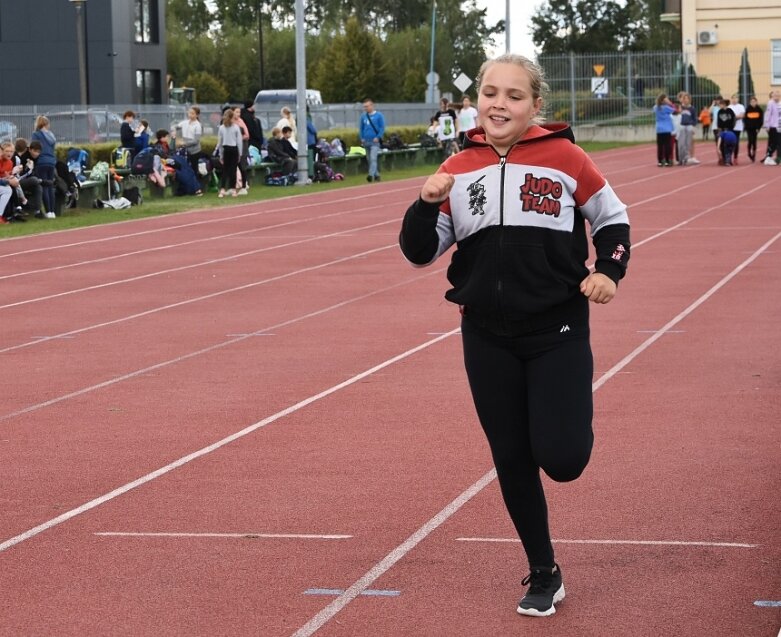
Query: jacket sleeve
[
  {"x": 425, "y": 233},
  {"x": 612, "y": 247}
]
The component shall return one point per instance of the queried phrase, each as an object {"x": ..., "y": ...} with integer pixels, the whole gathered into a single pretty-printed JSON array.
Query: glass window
[
  {"x": 148, "y": 84},
  {"x": 146, "y": 21},
  {"x": 775, "y": 60}
]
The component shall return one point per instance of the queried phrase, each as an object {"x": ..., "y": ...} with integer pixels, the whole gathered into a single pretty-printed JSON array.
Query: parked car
[
  {"x": 8, "y": 132},
  {"x": 92, "y": 125}
]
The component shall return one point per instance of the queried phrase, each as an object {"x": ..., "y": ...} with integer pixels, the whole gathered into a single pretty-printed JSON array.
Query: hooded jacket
[{"x": 518, "y": 222}]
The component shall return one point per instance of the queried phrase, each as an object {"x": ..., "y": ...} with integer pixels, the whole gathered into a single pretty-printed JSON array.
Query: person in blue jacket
[
  {"x": 371, "y": 129},
  {"x": 664, "y": 109}
]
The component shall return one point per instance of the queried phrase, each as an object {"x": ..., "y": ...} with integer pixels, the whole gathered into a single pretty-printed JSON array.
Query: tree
[
  {"x": 208, "y": 89},
  {"x": 745, "y": 81},
  {"x": 352, "y": 68},
  {"x": 187, "y": 17}
]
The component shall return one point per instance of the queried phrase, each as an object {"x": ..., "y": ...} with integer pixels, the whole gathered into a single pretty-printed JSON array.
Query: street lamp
[{"x": 82, "y": 49}]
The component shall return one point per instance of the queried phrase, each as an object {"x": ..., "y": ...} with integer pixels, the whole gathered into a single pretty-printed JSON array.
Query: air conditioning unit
[{"x": 707, "y": 38}]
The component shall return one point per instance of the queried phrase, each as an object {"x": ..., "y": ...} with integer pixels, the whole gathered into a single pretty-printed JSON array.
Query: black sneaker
[
  {"x": 376, "y": 178},
  {"x": 369, "y": 178},
  {"x": 545, "y": 590}
]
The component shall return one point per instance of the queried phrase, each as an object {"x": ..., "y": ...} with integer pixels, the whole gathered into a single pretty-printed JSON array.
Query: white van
[{"x": 286, "y": 96}]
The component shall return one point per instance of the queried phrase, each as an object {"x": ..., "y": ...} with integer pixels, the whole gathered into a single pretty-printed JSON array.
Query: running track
[{"x": 255, "y": 421}]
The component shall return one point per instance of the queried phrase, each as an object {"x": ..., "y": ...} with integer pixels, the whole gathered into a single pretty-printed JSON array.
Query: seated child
[{"x": 280, "y": 151}]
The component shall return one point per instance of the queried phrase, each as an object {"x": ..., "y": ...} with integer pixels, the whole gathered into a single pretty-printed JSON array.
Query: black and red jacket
[{"x": 519, "y": 224}]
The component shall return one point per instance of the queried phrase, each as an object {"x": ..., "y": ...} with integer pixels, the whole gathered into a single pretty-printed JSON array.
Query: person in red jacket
[{"x": 515, "y": 202}]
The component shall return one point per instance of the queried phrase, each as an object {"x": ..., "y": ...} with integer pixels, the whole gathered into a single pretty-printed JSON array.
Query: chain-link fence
[{"x": 605, "y": 89}]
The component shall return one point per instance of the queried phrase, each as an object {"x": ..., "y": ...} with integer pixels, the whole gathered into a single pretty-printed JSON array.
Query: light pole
[{"x": 82, "y": 49}]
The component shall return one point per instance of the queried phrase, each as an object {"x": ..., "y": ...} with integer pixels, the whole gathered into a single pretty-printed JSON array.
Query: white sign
[
  {"x": 462, "y": 82},
  {"x": 599, "y": 86}
]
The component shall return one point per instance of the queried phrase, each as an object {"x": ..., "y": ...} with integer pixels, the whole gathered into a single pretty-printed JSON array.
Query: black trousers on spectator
[
  {"x": 751, "y": 145},
  {"x": 33, "y": 191},
  {"x": 230, "y": 164},
  {"x": 664, "y": 149},
  {"x": 533, "y": 397},
  {"x": 46, "y": 175},
  {"x": 772, "y": 141}
]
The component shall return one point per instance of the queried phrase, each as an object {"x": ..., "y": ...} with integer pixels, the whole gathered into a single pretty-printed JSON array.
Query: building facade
[
  {"x": 124, "y": 48},
  {"x": 714, "y": 33}
]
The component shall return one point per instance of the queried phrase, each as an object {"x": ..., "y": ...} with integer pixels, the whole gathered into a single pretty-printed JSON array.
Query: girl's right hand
[{"x": 437, "y": 187}]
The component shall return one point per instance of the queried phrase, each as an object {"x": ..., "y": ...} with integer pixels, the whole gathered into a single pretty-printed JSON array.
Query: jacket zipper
[{"x": 499, "y": 286}]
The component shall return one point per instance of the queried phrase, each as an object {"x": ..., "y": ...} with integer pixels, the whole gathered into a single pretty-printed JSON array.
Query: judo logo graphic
[
  {"x": 541, "y": 195},
  {"x": 618, "y": 253},
  {"x": 477, "y": 197}
]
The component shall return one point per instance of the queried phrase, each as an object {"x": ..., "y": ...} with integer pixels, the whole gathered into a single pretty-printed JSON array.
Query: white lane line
[
  {"x": 213, "y": 295},
  {"x": 250, "y": 535},
  {"x": 682, "y": 315},
  {"x": 87, "y": 506},
  {"x": 360, "y": 585},
  {"x": 319, "y": 203},
  {"x": 212, "y": 238},
  {"x": 369, "y": 592},
  {"x": 181, "y": 268},
  {"x": 735, "y": 545},
  {"x": 330, "y": 611},
  {"x": 211, "y": 348}
]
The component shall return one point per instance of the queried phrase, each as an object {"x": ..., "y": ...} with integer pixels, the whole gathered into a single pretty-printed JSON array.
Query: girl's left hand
[{"x": 598, "y": 288}]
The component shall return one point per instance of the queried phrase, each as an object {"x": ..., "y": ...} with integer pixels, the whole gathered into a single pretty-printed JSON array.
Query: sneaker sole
[{"x": 533, "y": 612}]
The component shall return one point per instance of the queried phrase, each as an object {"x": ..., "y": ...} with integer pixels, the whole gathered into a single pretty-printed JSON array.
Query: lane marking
[
  {"x": 87, "y": 506},
  {"x": 682, "y": 315},
  {"x": 372, "y": 592},
  {"x": 182, "y": 268},
  {"x": 211, "y": 348},
  {"x": 736, "y": 545},
  {"x": 217, "y": 294},
  {"x": 250, "y": 535},
  {"x": 319, "y": 203},
  {"x": 332, "y": 609},
  {"x": 768, "y": 604}
]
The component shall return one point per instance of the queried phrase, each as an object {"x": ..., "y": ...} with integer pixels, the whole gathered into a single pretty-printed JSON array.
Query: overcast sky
[{"x": 520, "y": 15}]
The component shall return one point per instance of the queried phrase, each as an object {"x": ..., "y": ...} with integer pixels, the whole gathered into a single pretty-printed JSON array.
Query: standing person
[
  {"x": 740, "y": 113},
  {"x": 725, "y": 120},
  {"x": 371, "y": 128},
  {"x": 46, "y": 162},
  {"x": 663, "y": 110},
  {"x": 448, "y": 127},
  {"x": 467, "y": 119},
  {"x": 715, "y": 107},
  {"x": 705, "y": 120},
  {"x": 127, "y": 133},
  {"x": 244, "y": 158},
  {"x": 773, "y": 124},
  {"x": 253, "y": 125},
  {"x": 753, "y": 123},
  {"x": 191, "y": 131},
  {"x": 686, "y": 131},
  {"x": 229, "y": 148},
  {"x": 515, "y": 198}
]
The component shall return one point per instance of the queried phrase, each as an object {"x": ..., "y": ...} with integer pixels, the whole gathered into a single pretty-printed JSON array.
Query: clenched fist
[
  {"x": 598, "y": 288},
  {"x": 437, "y": 187}
]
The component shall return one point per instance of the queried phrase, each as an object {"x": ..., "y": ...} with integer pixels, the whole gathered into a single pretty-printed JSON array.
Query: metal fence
[
  {"x": 607, "y": 89},
  {"x": 621, "y": 88}
]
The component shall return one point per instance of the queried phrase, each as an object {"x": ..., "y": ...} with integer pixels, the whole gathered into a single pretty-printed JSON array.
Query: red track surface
[{"x": 126, "y": 348}]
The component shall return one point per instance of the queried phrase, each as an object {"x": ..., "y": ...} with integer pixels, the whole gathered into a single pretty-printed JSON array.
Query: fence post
[
  {"x": 629, "y": 87},
  {"x": 573, "y": 105},
  {"x": 686, "y": 80}
]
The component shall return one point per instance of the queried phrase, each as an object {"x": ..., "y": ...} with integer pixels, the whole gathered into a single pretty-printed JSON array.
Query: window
[
  {"x": 146, "y": 21},
  {"x": 148, "y": 84},
  {"x": 775, "y": 61}
]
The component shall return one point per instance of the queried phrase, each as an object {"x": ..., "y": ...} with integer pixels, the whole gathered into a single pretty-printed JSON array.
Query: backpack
[
  {"x": 278, "y": 179},
  {"x": 143, "y": 162},
  {"x": 78, "y": 160},
  {"x": 337, "y": 149},
  {"x": 133, "y": 195},
  {"x": 253, "y": 156},
  {"x": 323, "y": 172},
  {"x": 395, "y": 142},
  {"x": 427, "y": 141},
  {"x": 121, "y": 157},
  {"x": 99, "y": 172},
  {"x": 204, "y": 166}
]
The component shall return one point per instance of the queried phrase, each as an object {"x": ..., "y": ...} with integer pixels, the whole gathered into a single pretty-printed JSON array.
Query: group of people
[
  {"x": 451, "y": 122},
  {"x": 727, "y": 118},
  {"x": 29, "y": 176}
]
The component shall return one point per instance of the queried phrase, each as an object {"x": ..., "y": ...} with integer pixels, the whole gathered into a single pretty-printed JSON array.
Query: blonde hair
[
  {"x": 227, "y": 117},
  {"x": 536, "y": 77},
  {"x": 41, "y": 121}
]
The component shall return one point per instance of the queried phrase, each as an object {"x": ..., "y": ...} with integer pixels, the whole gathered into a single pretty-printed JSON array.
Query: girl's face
[
  {"x": 506, "y": 105},
  {"x": 191, "y": 114}
]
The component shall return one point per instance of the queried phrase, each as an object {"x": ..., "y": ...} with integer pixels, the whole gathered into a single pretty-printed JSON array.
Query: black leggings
[
  {"x": 751, "y": 134},
  {"x": 230, "y": 163},
  {"x": 533, "y": 398},
  {"x": 664, "y": 148}
]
